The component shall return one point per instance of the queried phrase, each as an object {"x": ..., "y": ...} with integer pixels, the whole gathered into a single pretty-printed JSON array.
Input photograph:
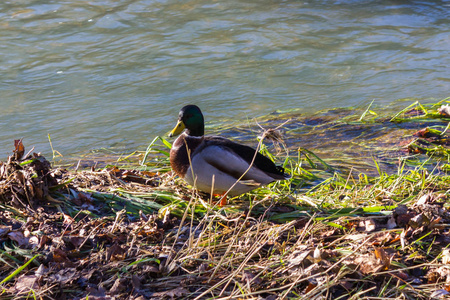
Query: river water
[{"x": 114, "y": 74}]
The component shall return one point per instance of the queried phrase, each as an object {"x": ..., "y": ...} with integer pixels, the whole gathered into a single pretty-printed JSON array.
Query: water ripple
[{"x": 101, "y": 73}]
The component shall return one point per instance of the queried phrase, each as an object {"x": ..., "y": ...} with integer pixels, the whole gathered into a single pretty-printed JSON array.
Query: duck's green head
[{"x": 191, "y": 119}]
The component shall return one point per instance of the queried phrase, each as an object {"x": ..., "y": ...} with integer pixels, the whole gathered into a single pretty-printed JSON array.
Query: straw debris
[{"x": 139, "y": 233}]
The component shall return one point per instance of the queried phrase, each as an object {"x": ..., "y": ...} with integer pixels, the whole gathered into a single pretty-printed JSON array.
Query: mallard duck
[{"x": 215, "y": 164}]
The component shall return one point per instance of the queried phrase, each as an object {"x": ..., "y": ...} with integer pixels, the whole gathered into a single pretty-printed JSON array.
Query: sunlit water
[{"x": 111, "y": 73}]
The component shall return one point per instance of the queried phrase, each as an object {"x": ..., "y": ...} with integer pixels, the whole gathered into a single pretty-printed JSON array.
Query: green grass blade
[{"x": 17, "y": 271}]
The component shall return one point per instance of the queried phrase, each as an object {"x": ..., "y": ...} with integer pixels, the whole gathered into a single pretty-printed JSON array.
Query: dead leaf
[
  {"x": 149, "y": 173},
  {"x": 391, "y": 223},
  {"x": 76, "y": 241},
  {"x": 18, "y": 236},
  {"x": 435, "y": 223},
  {"x": 43, "y": 241},
  {"x": 136, "y": 282},
  {"x": 4, "y": 230},
  {"x": 311, "y": 285},
  {"x": 419, "y": 221},
  {"x": 381, "y": 254},
  {"x": 250, "y": 279},
  {"x": 356, "y": 237},
  {"x": 446, "y": 256},
  {"x": 370, "y": 225},
  {"x": 444, "y": 110},
  {"x": 368, "y": 264},
  {"x": 424, "y": 199},
  {"x": 118, "y": 286},
  {"x": 317, "y": 255},
  {"x": 381, "y": 238},
  {"x": 33, "y": 241},
  {"x": 299, "y": 258},
  {"x": 19, "y": 149},
  {"x": 439, "y": 294},
  {"x": 60, "y": 256},
  {"x": 177, "y": 293},
  {"x": 115, "y": 252},
  {"x": 438, "y": 274},
  {"x": 68, "y": 220},
  {"x": 65, "y": 275},
  {"x": 25, "y": 283},
  {"x": 347, "y": 284},
  {"x": 403, "y": 238},
  {"x": 41, "y": 271}
]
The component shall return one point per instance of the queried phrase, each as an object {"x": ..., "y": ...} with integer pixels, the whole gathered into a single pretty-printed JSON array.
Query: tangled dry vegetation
[{"x": 127, "y": 234}]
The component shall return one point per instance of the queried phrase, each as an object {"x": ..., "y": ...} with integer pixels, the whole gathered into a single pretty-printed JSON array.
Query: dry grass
[{"x": 140, "y": 233}]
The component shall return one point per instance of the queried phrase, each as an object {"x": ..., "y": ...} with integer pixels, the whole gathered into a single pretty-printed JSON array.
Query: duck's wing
[{"x": 234, "y": 159}]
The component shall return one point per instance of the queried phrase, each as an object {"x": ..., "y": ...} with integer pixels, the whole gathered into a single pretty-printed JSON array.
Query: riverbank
[{"x": 371, "y": 227}]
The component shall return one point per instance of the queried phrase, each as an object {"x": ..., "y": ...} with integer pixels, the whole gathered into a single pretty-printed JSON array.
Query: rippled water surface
[{"x": 110, "y": 73}]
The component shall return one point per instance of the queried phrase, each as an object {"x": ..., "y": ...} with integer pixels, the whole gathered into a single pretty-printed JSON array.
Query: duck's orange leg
[{"x": 223, "y": 199}]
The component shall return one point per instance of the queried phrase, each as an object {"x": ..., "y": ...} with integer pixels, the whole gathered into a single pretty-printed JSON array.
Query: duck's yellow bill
[{"x": 178, "y": 129}]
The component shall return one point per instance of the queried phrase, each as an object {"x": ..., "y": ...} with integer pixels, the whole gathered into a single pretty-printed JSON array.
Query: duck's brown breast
[{"x": 183, "y": 146}]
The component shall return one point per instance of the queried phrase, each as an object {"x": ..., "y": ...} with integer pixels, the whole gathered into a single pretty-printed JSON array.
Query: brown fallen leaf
[
  {"x": 427, "y": 134},
  {"x": 60, "y": 256},
  {"x": 119, "y": 286},
  {"x": 300, "y": 257},
  {"x": 311, "y": 285},
  {"x": 18, "y": 236},
  {"x": 347, "y": 284},
  {"x": 41, "y": 271},
  {"x": 438, "y": 274},
  {"x": 33, "y": 241},
  {"x": 4, "y": 230},
  {"x": 250, "y": 279},
  {"x": 115, "y": 252},
  {"x": 97, "y": 293},
  {"x": 68, "y": 220},
  {"x": 19, "y": 150},
  {"x": 381, "y": 238},
  {"x": 43, "y": 241},
  {"x": 65, "y": 275},
  {"x": 381, "y": 254},
  {"x": 419, "y": 221},
  {"x": 25, "y": 283},
  {"x": 177, "y": 293},
  {"x": 435, "y": 223},
  {"x": 76, "y": 241},
  {"x": 368, "y": 264},
  {"x": 136, "y": 282}
]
